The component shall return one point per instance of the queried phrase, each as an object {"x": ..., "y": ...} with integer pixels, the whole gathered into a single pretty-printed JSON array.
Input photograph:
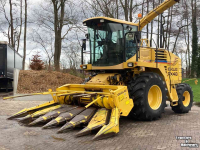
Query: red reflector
[{"x": 99, "y": 24}]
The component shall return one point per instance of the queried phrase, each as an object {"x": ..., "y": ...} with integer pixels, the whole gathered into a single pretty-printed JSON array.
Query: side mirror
[
  {"x": 87, "y": 36},
  {"x": 138, "y": 36},
  {"x": 84, "y": 44}
]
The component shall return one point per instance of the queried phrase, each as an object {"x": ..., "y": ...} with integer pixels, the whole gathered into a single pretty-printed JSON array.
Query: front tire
[
  {"x": 185, "y": 98},
  {"x": 148, "y": 91}
]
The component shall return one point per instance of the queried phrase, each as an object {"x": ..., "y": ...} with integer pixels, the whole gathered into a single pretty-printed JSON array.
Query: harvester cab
[
  {"x": 111, "y": 42},
  {"x": 128, "y": 77}
]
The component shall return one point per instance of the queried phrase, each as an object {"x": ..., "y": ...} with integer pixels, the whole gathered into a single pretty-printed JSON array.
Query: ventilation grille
[{"x": 161, "y": 55}]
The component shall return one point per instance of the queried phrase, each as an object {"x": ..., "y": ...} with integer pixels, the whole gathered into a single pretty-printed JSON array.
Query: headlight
[
  {"x": 130, "y": 64},
  {"x": 84, "y": 67}
]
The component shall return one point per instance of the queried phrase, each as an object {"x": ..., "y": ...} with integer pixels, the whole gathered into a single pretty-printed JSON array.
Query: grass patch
[{"x": 195, "y": 89}]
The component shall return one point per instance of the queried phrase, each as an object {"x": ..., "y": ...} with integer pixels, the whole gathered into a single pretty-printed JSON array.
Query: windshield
[
  {"x": 107, "y": 44},
  {"x": 110, "y": 44}
]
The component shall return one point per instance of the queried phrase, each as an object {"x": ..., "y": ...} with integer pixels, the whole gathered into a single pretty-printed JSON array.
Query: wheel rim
[
  {"x": 155, "y": 97},
  {"x": 186, "y": 102}
]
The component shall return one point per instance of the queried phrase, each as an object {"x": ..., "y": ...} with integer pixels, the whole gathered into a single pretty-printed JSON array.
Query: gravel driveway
[{"x": 159, "y": 134}]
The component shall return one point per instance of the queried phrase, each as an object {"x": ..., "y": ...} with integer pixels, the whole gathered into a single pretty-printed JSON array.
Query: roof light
[{"x": 140, "y": 16}]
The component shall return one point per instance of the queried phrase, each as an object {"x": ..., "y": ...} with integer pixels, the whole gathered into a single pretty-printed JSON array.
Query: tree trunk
[
  {"x": 49, "y": 65},
  {"x": 58, "y": 25},
  {"x": 11, "y": 25},
  {"x": 195, "y": 53},
  {"x": 117, "y": 10},
  {"x": 143, "y": 8},
  {"x": 126, "y": 10},
  {"x": 158, "y": 39},
  {"x": 20, "y": 30},
  {"x": 58, "y": 46},
  {"x": 56, "y": 54},
  {"x": 151, "y": 41},
  {"x": 188, "y": 47},
  {"x": 174, "y": 49},
  {"x": 161, "y": 28},
  {"x": 167, "y": 30},
  {"x": 147, "y": 24},
  {"x": 131, "y": 11},
  {"x": 170, "y": 27},
  {"x": 25, "y": 32}
]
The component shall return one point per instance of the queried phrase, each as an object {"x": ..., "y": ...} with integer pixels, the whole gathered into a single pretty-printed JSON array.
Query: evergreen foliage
[{"x": 37, "y": 63}]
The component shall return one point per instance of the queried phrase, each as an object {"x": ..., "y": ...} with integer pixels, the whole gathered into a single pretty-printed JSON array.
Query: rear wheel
[
  {"x": 185, "y": 98},
  {"x": 148, "y": 92}
]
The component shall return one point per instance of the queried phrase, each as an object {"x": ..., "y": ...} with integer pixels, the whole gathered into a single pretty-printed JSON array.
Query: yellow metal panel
[
  {"x": 97, "y": 121},
  {"x": 89, "y": 67},
  {"x": 116, "y": 67},
  {"x": 112, "y": 127},
  {"x": 31, "y": 110},
  {"x": 122, "y": 101},
  {"x": 44, "y": 111},
  {"x": 101, "y": 79},
  {"x": 174, "y": 95},
  {"x": 145, "y": 54},
  {"x": 113, "y": 96}
]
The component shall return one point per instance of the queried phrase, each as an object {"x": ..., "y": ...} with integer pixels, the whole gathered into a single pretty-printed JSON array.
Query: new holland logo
[{"x": 175, "y": 62}]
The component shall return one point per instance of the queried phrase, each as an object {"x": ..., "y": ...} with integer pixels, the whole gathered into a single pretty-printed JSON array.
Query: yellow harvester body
[{"x": 126, "y": 78}]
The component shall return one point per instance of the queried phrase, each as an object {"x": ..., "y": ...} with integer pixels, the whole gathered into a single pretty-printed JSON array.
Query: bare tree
[
  {"x": 72, "y": 53},
  {"x": 58, "y": 18},
  {"x": 61, "y": 20},
  {"x": 9, "y": 24},
  {"x": 25, "y": 32},
  {"x": 114, "y": 8},
  {"x": 45, "y": 40},
  {"x": 177, "y": 33}
]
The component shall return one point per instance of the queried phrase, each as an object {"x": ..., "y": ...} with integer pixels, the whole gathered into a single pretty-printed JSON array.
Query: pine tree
[{"x": 37, "y": 63}]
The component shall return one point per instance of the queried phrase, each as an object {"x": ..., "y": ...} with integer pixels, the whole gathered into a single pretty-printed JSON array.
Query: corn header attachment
[{"x": 99, "y": 106}]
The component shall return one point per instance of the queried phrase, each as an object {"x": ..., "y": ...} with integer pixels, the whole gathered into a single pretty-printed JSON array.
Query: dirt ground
[
  {"x": 31, "y": 81},
  {"x": 160, "y": 134}
]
